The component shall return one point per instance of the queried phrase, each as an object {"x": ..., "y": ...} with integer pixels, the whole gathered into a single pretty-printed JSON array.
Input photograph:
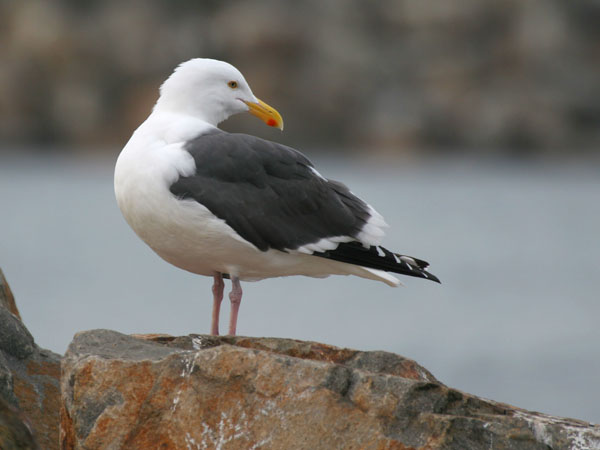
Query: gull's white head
[{"x": 212, "y": 90}]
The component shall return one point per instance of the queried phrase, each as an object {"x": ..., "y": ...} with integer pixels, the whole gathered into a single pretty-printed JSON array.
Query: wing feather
[{"x": 269, "y": 193}]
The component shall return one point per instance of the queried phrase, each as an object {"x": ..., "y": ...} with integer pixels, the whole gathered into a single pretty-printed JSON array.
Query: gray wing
[{"x": 268, "y": 193}]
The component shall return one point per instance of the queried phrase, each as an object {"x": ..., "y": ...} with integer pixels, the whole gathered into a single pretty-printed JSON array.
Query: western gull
[{"x": 235, "y": 206}]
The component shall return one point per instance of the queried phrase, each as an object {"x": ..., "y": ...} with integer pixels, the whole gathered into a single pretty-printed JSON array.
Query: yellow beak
[{"x": 266, "y": 113}]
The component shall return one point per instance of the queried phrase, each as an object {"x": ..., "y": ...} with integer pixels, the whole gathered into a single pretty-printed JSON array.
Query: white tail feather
[{"x": 380, "y": 275}]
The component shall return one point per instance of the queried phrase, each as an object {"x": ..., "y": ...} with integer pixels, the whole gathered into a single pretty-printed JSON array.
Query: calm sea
[{"x": 517, "y": 248}]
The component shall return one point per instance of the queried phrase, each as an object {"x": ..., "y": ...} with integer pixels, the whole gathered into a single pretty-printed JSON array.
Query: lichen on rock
[{"x": 236, "y": 392}]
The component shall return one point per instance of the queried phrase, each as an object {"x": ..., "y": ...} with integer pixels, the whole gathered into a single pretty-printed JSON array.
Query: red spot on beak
[{"x": 272, "y": 122}]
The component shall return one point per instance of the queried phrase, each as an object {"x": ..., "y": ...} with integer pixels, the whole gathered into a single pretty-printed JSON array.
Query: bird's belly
[
  {"x": 189, "y": 236},
  {"x": 184, "y": 232}
]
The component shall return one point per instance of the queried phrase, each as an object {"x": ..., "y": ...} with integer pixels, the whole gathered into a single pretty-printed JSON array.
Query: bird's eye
[{"x": 232, "y": 84}]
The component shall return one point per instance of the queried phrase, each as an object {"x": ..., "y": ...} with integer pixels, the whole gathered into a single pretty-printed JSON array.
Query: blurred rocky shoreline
[{"x": 397, "y": 76}]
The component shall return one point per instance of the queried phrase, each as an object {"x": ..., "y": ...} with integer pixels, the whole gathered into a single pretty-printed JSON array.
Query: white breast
[{"x": 183, "y": 232}]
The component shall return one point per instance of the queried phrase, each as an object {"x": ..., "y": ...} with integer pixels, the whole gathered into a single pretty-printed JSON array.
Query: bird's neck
[
  {"x": 171, "y": 127},
  {"x": 205, "y": 109}
]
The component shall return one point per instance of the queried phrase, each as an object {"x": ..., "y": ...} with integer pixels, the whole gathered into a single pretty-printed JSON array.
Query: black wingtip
[
  {"x": 422, "y": 272},
  {"x": 432, "y": 277},
  {"x": 377, "y": 257}
]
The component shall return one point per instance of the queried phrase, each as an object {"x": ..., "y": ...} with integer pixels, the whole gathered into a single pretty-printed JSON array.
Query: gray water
[{"x": 517, "y": 249}]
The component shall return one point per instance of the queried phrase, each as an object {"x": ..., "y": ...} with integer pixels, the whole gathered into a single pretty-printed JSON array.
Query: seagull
[{"x": 228, "y": 205}]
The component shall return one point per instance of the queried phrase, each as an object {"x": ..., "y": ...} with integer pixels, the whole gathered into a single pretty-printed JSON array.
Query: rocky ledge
[
  {"x": 29, "y": 383},
  {"x": 205, "y": 392},
  {"x": 199, "y": 392}
]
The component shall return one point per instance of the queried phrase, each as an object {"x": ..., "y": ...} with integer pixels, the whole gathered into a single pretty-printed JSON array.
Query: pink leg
[
  {"x": 235, "y": 296},
  {"x": 217, "y": 289}
]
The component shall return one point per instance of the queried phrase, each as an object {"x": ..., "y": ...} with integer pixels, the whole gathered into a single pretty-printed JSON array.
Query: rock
[
  {"x": 7, "y": 300},
  {"x": 197, "y": 392},
  {"x": 15, "y": 339},
  {"x": 29, "y": 383},
  {"x": 15, "y": 434}
]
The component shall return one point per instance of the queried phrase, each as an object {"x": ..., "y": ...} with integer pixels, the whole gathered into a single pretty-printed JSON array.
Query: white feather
[{"x": 372, "y": 232}]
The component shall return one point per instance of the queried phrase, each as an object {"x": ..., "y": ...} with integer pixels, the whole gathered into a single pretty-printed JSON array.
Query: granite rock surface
[
  {"x": 29, "y": 383},
  {"x": 200, "y": 392}
]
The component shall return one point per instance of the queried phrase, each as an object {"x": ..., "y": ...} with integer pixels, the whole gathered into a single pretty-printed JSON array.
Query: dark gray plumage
[{"x": 268, "y": 193}]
